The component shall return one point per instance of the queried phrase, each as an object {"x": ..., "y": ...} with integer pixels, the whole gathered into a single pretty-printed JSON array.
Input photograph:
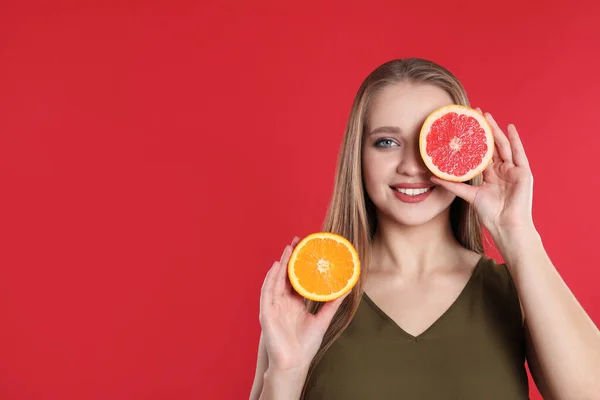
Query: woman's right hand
[{"x": 292, "y": 335}]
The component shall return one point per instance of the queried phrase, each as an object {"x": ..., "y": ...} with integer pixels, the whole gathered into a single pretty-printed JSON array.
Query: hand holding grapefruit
[{"x": 504, "y": 200}]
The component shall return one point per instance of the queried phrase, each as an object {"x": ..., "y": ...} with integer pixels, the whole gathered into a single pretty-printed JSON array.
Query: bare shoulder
[{"x": 469, "y": 261}]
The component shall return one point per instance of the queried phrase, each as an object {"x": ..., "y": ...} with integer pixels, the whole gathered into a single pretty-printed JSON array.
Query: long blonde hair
[{"x": 351, "y": 213}]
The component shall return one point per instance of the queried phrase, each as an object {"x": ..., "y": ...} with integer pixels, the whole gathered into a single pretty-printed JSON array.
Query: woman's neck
[{"x": 415, "y": 250}]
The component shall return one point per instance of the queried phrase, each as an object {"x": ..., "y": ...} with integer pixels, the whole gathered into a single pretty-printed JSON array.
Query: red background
[{"x": 156, "y": 157}]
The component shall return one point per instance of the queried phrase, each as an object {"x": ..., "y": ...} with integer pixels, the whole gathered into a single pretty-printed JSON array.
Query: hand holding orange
[{"x": 292, "y": 335}]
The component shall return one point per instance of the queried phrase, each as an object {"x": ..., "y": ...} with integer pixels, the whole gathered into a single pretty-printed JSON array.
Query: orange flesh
[{"x": 326, "y": 274}]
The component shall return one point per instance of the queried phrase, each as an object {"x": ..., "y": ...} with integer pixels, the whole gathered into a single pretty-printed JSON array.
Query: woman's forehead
[{"x": 405, "y": 104}]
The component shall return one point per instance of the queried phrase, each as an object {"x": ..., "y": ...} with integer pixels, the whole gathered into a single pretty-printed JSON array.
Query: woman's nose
[{"x": 411, "y": 163}]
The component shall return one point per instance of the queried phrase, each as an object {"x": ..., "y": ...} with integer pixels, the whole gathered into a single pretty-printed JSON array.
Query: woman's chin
[{"x": 414, "y": 218}]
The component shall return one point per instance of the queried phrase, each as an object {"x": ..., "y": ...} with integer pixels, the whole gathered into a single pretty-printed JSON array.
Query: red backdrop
[{"x": 155, "y": 158}]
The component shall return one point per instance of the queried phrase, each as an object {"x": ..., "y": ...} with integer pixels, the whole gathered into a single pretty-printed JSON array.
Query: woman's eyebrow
[{"x": 386, "y": 129}]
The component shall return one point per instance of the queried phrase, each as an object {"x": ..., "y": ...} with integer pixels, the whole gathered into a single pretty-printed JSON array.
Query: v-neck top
[{"x": 475, "y": 350}]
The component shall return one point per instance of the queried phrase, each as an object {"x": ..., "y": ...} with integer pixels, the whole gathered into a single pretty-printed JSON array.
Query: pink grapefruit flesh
[{"x": 456, "y": 143}]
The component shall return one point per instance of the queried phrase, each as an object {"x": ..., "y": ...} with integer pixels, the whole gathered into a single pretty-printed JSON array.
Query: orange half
[{"x": 323, "y": 266}]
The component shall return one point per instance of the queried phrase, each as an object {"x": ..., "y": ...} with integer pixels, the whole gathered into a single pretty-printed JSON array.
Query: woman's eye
[{"x": 385, "y": 143}]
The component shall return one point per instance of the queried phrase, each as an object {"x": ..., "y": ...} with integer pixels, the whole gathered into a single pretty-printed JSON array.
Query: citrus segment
[
  {"x": 323, "y": 266},
  {"x": 456, "y": 143}
]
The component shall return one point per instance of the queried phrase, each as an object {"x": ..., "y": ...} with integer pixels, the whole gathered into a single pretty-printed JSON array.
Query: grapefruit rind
[
  {"x": 461, "y": 110},
  {"x": 323, "y": 297}
]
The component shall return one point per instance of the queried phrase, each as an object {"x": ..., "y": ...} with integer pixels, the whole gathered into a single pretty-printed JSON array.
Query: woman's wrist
[
  {"x": 517, "y": 243},
  {"x": 284, "y": 384}
]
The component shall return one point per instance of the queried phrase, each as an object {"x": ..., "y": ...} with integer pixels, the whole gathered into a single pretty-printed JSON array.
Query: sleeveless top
[{"x": 475, "y": 350}]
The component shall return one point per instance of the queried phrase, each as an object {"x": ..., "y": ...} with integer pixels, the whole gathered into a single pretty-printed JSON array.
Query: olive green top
[{"x": 475, "y": 350}]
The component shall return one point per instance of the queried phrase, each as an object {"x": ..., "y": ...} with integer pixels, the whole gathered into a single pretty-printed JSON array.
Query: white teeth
[{"x": 412, "y": 192}]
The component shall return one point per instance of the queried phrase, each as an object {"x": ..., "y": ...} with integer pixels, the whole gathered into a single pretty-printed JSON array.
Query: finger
[
  {"x": 500, "y": 139},
  {"x": 496, "y": 156},
  {"x": 295, "y": 241},
  {"x": 460, "y": 189},
  {"x": 518, "y": 151},
  {"x": 488, "y": 173},
  {"x": 266, "y": 292},
  {"x": 479, "y": 110},
  {"x": 287, "y": 284},
  {"x": 281, "y": 277}
]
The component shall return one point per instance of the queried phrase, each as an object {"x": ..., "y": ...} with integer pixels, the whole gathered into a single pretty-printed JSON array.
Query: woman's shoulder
[
  {"x": 499, "y": 286},
  {"x": 489, "y": 270},
  {"x": 496, "y": 273}
]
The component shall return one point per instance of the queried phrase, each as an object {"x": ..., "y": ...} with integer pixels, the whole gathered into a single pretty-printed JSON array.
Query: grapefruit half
[{"x": 456, "y": 143}]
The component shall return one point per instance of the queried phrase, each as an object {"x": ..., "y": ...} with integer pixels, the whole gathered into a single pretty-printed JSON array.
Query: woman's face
[{"x": 395, "y": 177}]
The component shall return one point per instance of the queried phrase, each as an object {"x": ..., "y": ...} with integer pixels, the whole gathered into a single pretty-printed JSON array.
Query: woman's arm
[
  {"x": 563, "y": 341},
  {"x": 283, "y": 384},
  {"x": 262, "y": 363},
  {"x": 272, "y": 384},
  {"x": 290, "y": 336}
]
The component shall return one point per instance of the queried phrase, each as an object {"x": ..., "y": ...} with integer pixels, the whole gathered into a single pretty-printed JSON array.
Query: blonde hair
[{"x": 351, "y": 213}]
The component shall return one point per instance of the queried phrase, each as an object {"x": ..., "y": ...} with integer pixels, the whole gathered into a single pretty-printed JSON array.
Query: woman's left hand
[{"x": 504, "y": 200}]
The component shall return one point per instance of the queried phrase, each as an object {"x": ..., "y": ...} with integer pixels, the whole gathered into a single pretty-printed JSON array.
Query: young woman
[{"x": 432, "y": 317}]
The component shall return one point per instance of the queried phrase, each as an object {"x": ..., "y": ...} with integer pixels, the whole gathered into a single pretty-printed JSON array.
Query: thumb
[{"x": 462, "y": 190}]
